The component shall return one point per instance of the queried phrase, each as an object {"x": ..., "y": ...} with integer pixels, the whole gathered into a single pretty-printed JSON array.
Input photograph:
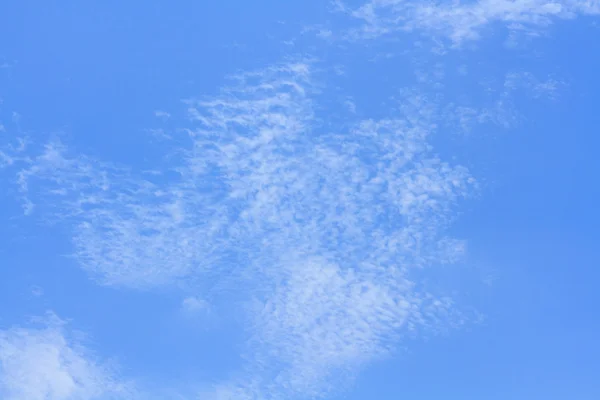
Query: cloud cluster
[
  {"x": 330, "y": 225},
  {"x": 461, "y": 21},
  {"x": 127, "y": 230},
  {"x": 316, "y": 231},
  {"x": 45, "y": 363}
]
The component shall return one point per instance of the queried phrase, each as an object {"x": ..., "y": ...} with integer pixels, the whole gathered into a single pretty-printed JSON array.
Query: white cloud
[
  {"x": 498, "y": 108},
  {"x": 44, "y": 363},
  {"x": 326, "y": 319},
  {"x": 194, "y": 305},
  {"x": 331, "y": 225},
  {"x": 315, "y": 232},
  {"x": 162, "y": 114},
  {"x": 461, "y": 21},
  {"x": 127, "y": 230},
  {"x": 11, "y": 153},
  {"x": 538, "y": 88}
]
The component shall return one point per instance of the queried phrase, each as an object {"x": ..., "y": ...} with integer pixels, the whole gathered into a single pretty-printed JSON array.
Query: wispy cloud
[
  {"x": 539, "y": 88},
  {"x": 461, "y": 21},
  {"x": 330, "y": 224},
  {"x": 498, "y": 107},
  {"x": 46, "y": 363},
  {"x": 127, "y": 229},
  {"x": 316, "y": 232},
  {"x": 321, "y": 234}
]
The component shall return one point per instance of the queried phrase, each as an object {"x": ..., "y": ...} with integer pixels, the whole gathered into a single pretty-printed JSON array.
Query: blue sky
[{"x": 366, "y": 199}]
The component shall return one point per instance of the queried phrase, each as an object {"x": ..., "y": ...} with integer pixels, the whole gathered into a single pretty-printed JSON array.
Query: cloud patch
[
  {"x": 460, "y": 21},
  {"x": 315, "y": 232},
  {"x": 331, "y": 225},
  {"x": 46, "y": 363}
]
